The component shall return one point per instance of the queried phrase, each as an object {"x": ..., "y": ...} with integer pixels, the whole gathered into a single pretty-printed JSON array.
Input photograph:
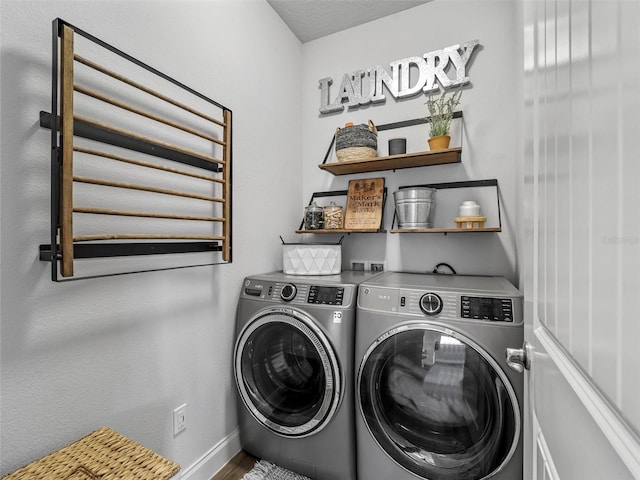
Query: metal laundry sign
[{"x": 362, "y": 87}]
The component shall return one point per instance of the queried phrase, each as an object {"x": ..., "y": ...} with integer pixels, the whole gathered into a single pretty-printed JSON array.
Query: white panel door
[{"x": 581, "y": 237}]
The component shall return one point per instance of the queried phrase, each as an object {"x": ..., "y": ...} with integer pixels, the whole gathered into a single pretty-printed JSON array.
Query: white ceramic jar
[{"x": 469, "y": 208}]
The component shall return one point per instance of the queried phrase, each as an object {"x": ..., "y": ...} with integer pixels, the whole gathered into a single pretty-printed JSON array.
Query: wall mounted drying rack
[{"x": 157, "y": 153}]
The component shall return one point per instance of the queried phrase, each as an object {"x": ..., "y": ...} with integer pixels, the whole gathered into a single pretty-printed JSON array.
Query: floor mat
[{"x": 264, "y": 470}]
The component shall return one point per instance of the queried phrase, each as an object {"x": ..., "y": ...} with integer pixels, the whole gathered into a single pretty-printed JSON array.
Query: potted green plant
[{"x": 441, "y": 108}]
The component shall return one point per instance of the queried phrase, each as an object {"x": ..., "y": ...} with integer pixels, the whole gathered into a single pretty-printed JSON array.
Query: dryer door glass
[
  {"x": 287, "y": 373},
  {"x": 438, "y": 404}
]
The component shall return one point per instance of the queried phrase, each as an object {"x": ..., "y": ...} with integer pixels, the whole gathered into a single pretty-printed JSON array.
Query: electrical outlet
[
  {"x": 359, "y": 265},
  {"x": 179, "y": 419},
  {"x": 378, "y": 266}
]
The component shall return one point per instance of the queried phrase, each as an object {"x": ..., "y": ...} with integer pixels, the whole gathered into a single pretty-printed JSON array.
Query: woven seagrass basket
[
  {"x": 102, "y": 455},
  {"x": 356, "y": 142}
]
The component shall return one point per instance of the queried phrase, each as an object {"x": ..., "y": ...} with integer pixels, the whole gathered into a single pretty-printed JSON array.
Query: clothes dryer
[
  {"x": 294, "y": 371},
  {"x": 435, "y": 397}
]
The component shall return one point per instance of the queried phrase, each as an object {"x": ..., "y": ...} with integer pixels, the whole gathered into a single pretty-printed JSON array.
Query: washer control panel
[{"x": 299, "y": 293}]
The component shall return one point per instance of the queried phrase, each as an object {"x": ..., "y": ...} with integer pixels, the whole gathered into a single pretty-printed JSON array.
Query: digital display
[
  {"x": 484, "y": 308},
  {"x": 326, "y": 295}
]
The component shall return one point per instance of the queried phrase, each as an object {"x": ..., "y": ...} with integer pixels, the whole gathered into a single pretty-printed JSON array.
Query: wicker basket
[
  {"x": 356, "y": 142},
  {"x": 102, "y": 455}
]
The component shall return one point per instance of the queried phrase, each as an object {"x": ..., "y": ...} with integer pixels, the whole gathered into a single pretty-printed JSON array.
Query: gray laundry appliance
[
  {"x": 435, "y": 397},
  {"x": 294, "y": 371}
]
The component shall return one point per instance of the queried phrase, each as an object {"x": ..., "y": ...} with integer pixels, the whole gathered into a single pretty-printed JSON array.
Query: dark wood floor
[{"x": 236, "y": 468}]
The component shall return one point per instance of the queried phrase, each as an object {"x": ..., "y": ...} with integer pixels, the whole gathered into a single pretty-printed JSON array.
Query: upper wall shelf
[{"x": 394, "y": 162}]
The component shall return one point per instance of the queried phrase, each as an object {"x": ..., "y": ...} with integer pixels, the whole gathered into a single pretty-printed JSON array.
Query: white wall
[
  {"x": 125, "y": 351},
  {"x": 491, "y": 119}
]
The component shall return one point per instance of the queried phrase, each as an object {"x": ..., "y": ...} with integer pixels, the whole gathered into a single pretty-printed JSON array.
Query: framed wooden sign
[{"x": 365, "y": 200}]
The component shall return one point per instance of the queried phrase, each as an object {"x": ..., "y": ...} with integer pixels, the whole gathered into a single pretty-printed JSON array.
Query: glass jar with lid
[
  {"x": 333, "y": 215},
  {"x": 313, "y": 217}
]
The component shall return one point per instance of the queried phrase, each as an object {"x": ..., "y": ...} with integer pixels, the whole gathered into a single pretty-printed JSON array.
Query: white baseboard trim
[{"x": 211, "y": 462}]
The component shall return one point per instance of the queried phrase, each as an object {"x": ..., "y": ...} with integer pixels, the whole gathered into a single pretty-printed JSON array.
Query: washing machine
[
  {"x": 435, "y": 397},
  {"x": 294, "y": 371}
]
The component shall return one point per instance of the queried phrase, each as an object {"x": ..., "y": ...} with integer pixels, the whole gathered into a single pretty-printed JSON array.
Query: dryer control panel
[
  {"x": 448, "y": 305},
  {"x": 441, "y": 305}
]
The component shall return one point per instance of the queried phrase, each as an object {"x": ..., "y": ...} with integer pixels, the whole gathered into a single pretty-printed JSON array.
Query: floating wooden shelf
[
  {"x": 337, "y": 193},
  {"x": 394, "y": 162},
  {"x": 342, "y": 230},
  {"x": 445, "y": 230},
  {"x": 451, "y": 185}
]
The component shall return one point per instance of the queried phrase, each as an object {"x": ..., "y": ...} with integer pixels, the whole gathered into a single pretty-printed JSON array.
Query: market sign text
[{"x": 362, "y": 87}]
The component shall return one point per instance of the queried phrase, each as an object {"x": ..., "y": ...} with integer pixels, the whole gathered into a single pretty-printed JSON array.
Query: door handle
[{"x": 519, "y": 358}]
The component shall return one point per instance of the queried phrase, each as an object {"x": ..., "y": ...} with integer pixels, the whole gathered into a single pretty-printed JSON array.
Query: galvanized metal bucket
[{"x": 415, "y": 207}]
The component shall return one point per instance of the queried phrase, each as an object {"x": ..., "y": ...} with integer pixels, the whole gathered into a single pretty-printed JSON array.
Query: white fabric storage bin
[{"x": 311, "y": 259}]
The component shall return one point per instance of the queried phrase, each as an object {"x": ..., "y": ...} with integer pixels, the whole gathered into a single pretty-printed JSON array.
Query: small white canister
[{"x": 469, "y": 208}]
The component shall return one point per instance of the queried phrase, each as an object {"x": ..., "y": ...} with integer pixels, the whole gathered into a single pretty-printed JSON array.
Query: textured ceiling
[{"x": 311, "y": 19}]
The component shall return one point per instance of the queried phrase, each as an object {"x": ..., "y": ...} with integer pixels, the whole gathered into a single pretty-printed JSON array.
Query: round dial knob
[
  {"x": 431, "y": 304},
  {"x": 288, "y": 292}
]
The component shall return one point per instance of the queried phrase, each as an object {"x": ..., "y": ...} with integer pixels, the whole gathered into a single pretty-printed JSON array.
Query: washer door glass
[
  {"x": 437, "y": 404},
  {"x": 287, "y": 373}
]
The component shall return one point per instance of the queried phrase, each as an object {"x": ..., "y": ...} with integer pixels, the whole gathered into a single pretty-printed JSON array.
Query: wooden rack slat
[
  {"x": 140, "y": 163},
  {"x": 145, "y": 188},
  {"x": 141, "y": 87},
  {"x": 143, "y": 236},
  {"x": 226, "y": 227},
  {"x": 131, "y": 213},
  {"x": 145, "y": 138},
  {"x": 138, "y": 111},
  {"x": 66, "y": 110}
]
